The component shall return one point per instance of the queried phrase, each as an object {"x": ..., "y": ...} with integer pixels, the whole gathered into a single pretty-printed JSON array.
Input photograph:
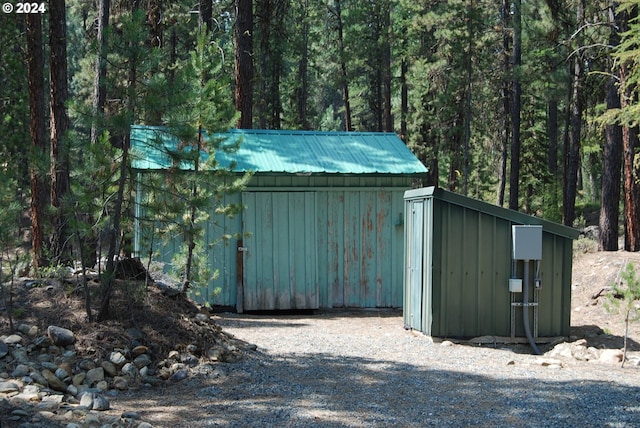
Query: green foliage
[
  {"x": 625, "y": 299},
  {"x": 180, "y": 205}
]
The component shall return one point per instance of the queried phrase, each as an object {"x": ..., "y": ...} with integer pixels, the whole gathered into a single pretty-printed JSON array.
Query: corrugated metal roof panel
[{"x": 294, "y": 152}]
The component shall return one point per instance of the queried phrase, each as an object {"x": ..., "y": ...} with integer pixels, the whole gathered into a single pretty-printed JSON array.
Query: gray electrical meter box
[{"x": 527, "y": 242}]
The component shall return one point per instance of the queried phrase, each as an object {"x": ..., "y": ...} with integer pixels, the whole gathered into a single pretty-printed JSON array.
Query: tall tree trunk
[
  {"x": 35, "y": 64},
  {"x": 552, "y": 134},
  {"x": 114, "y": 232},
  {"x": 514, "y": 178},
  {"x": 244, "y": 63},
  {"x": 263, "y": 17},
  {"x": 612, "y": 161},
  {"x": 573, "y": 153},
  {"x": 205, "y": 16},
  {"x": 612, "y": 157},
  {"x": 404, "y": 99},
  {"x": 631, "y": 191},
  {"x": 303, "y": 71},
  {"x": 59, "y": 152},
  {"x": 386, "y": 67},
  {"x": 154, "y": 17},
  {"x": 99, "y": 84},
  {"x": 90, "y": 249},
  {"x": 506, "y": 103},
  {"x": 630, "y": 144},
  {"x": 343, "y": 69},
  {"x": 467, "y": 109}
]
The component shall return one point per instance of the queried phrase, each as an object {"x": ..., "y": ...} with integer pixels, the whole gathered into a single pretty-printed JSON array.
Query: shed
[
  {"x": 322, "y": 219},
  {"x": 458, "y": 266}
]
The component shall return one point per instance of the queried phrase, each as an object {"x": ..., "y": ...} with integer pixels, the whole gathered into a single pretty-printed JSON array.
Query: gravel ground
[{"x": 362, "y": 369}]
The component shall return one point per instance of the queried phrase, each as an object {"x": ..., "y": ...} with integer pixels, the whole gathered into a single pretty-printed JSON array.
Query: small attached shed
[
  {"x": 459, "y": 262},
  {"x": 322, "y": 219}
]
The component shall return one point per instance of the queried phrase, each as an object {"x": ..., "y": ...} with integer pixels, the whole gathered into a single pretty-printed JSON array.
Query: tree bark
[
  {"x": 59, "y": 151},
  {"x": 631, "y": 190},
  {"x": 386, "y": 72},
  {"x": 514, "y": 178},
  {"x": 343, "y": 70},
  {"x": 612, "y": 157},
  {"x": 611, "y": 162},
  {"x": 99, "y": 88},
  {"x": 205, "y": 17},
  {"x": 506, "y": 105},
  {"x": 303, "y": 71},
  {"x": 35, "y": 64},
  {"x": 573, "y": 152},
  {"x": 404, "y": 99},
  {"x": 244, "y": 63}
]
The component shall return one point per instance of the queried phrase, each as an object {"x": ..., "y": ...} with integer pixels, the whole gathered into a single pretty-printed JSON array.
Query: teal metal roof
[{"x": 293, "y": 152}]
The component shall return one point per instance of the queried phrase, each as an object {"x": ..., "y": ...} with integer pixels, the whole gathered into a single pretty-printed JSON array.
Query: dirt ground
[{"x": 593, "y": 275}]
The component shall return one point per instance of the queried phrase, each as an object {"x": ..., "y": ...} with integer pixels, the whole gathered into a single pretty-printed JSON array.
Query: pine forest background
[{"x": 529, "y": 104}]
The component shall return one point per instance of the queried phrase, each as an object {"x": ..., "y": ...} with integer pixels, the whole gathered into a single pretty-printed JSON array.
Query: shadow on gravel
[{"x": 326, "y": 391}]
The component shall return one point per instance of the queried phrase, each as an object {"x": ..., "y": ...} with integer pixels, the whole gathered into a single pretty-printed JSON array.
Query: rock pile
[{"x": 44, "y": 381}]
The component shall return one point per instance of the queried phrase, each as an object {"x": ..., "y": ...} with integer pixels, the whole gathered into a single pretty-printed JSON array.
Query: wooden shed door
[{"x": 280, "y": 261}]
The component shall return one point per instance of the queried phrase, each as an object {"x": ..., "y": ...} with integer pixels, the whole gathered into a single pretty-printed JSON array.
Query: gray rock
[
  {"x": 20, "y": 370},
  {"x": 117, "y": 358},
  {"x": 611, "y": 356},
  {"x": 130, "y": 370},
  {"x": 38, "y": 378},
  {"x": 86, "y": 365},
  {"x": 72, "y": 390},
  {"x": 49, "y": 366},
  {"x": 44, "y": 358},
  {"x": 130, "y": 415},
  {"x": 142, "y": 361},
  {"x": 179, "y": 375},
  {"x": 120, "y": 383},
  {"x": 150, "y": 380},
  {"x": 13, "y": 339},
  {"x": 9, "y": 386},
  {"x": 53, "y": 381},
  {"x": 61, "y": 373},
  {"x": 60, "y": 336},
  {"x": 29, "y": 330},
  {"x": 86, "y": 400},
  {"x": 42, "y": 342},
  {"x": 94, "y": 376},
  {"x": 79, "y": 378},
  {"x": 109, "y": 368},
  {"x": 100, "y": 403},
  {"x": 20, "y": 354},
  {"x": 4, "y": 349}
]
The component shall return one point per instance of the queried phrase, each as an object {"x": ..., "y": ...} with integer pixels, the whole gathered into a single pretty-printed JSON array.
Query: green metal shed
[
  {"x": 323, "y": 214},
  {"x": 459, "y": 262}
]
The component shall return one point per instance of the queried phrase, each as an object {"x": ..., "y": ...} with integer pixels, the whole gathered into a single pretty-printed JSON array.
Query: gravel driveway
[{"x": 362, "y": 369}]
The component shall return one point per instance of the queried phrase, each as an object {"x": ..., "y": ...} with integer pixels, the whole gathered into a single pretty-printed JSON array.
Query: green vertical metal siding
[
  {"x": 466, "y": 262},
  {"x": 360, "y": 241},
  {"x": 356, "y": 243},
  {"x": 280, "y": 270}
]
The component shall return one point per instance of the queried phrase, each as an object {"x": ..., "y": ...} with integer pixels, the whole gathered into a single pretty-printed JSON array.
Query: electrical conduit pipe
[{"x": 525, "y": 309}]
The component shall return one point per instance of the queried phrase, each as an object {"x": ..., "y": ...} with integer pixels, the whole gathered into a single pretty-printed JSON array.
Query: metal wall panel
[
  {"x": 358, "y": 238},
  {"x": 280, "y": 264},
  {"x": 466, "y": 261},
  {"x": 360, "y": 243}
]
